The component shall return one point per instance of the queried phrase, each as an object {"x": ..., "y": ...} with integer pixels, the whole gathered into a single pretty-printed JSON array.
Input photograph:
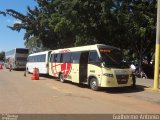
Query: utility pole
[{"x": 157, "y": 52}]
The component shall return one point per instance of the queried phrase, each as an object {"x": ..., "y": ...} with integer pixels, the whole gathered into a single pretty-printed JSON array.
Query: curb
[{"x": 151, "y": 89}]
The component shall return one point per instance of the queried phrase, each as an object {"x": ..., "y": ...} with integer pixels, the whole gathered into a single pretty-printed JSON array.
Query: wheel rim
[
  {"x": 94, "y": 84},
  {"x": 62, "y": 78}
]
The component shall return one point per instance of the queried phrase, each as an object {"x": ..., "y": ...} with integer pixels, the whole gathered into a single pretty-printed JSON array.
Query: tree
[
  {"x": 129, "y": 25},
  {"x": 2, "y": 55},
  {"x": 3, "y": 13},
  {"x": 142, "y": 29},
  {"x": 36, "y": 23},
  {"x": 34, "y": 45}
]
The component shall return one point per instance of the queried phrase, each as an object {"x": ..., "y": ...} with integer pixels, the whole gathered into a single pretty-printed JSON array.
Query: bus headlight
[{"x": 108, "y": 75}]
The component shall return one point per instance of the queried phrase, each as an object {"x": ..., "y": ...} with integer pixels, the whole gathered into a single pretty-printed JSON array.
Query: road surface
[{"x": 19, "y": 94}]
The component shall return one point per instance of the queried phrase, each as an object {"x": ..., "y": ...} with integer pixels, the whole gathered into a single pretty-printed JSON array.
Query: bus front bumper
[{"x": 116, "y": 81}]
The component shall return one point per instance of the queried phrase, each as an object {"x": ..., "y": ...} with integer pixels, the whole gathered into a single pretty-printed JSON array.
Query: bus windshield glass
[
  {"x": 21, "y": 58},
  {"x": 112, "y": 58},
  {"x": 22, "y": 51}
]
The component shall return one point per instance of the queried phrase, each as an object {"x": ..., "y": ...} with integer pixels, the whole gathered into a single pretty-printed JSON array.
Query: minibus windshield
[{"x": 112, "y": 58}]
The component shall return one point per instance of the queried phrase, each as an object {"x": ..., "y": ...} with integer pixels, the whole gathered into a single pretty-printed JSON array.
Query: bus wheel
[
  {"x": 94, "y": 84},
  {"x": 61, "y": 77}
]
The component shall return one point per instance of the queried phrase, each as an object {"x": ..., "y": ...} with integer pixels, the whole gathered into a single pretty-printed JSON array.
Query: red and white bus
[{"x": 97, "y": 65}]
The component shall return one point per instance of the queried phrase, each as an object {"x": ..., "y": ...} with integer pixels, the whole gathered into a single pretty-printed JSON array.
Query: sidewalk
[
  {"x": 147, "y": 93},
  {"x": 148, "y": 83},
  {"x": 145, "y": 82}
]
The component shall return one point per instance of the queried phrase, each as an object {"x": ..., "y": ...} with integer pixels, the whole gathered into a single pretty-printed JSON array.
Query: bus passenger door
[
  {"x": 75, "y": 59},
  {"x": 94, "y": 65},
  {"x": 83, "y": 67}
]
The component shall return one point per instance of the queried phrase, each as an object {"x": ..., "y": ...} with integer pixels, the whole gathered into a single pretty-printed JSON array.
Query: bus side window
[
  {"x": 51, "y": 58},
  {"x": 93, "y": 57},
  {"x": 66, "y": 57},
  {"x": 29, "y": 59},
  {"x": 58, "y": 58},
  {"x": 54, "y": 58},
  {"x": 32, "y": 59},
  {"x": 43, "y": 58},
  {"x": 75, "y": 57},
  {"x": 38, "y": 58},
  {"x": 35, "y": 58}
]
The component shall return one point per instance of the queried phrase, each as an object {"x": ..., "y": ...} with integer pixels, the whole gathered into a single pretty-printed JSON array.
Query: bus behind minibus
[{"x": 38, "y": 60}]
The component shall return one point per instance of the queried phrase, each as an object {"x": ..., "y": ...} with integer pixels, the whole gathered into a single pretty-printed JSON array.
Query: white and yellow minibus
[{"x": 97, "y": 65}]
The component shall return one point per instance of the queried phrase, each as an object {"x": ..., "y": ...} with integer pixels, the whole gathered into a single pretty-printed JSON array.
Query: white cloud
[
  {"x": 12, "y": 22},
  {"x": 17, "y": 21}
]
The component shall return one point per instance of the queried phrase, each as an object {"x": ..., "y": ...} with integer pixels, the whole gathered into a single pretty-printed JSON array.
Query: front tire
[{"x": 94, "y": 84}]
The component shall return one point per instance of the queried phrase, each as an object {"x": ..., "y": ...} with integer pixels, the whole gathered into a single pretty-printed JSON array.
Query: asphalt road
[{"x": 19, "y": 94}]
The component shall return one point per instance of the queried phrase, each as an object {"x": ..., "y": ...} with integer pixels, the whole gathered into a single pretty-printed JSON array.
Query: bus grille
[{"x": 122, "y": 79}]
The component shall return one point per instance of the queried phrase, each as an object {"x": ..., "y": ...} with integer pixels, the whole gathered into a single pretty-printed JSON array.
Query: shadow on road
[
  {"x": 122, "y": 90},
  {"x": 115, "y": 90},
  {"x": 42, "y": 76},
  {"x": 18, "y": 70}
]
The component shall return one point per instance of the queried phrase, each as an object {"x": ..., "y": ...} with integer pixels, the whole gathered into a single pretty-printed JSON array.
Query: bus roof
[
  {"x": 16, "y": 48},
  {"x": 84, "y": 48},
  {"x": 12, "y": 51},
  {"x": 39, "y": 53}
]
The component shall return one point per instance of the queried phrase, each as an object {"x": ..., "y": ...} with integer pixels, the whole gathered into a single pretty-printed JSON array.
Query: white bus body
[{"x": 38, "y": 60}]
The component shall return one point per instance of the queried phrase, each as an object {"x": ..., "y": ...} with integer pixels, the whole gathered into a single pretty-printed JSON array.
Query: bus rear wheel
[
  {"x": 61, "y": 77},
  {"x": 94, "y": 84}
]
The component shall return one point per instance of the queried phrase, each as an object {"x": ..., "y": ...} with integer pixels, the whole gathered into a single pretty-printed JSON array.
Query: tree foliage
[
  {"x": 2, "y": 55},
  {"x": 34, "y": 45},
  {"x": 127, "y": 24}
]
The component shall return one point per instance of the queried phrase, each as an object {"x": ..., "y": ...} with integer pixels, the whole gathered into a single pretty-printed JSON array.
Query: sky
[{"x": 10, "y": 39}]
